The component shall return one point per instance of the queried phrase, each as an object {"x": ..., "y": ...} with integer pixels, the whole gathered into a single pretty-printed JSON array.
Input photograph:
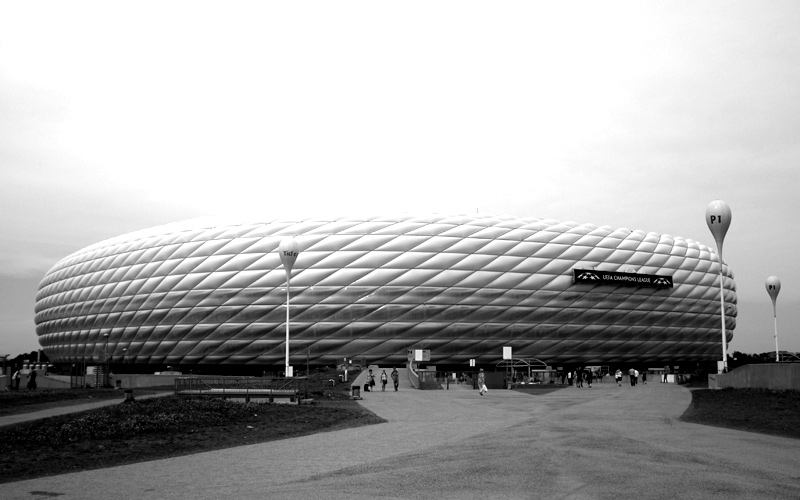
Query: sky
[{"x": 116, "y": 117}]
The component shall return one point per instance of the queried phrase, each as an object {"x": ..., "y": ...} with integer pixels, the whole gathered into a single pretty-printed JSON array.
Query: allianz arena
[{"x": 207, "y": 292}]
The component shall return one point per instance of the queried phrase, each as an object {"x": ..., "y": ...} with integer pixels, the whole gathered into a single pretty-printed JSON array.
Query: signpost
[
  {"x": 288, "y": 251},
  {"x": 773, "y": 288},
  {"x": 718, "y": 219},
  {"x": 594, "y": 277}
]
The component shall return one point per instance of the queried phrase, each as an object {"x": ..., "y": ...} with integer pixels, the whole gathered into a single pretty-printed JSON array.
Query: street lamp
[
  {"x": 108, "y": 365},
  {"x": 718, "y": 218},
  {"x": 288, "y": 251},
  {"x": 773, "y": 288}
]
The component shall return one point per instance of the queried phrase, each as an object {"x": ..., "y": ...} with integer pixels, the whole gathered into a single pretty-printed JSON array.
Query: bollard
[{"x": 128, "y": 394}]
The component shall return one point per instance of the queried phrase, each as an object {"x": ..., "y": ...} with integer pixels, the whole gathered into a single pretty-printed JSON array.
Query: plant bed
[
  {"x": 23, "y": 401},
  {"x": 755, "y": 410},
  {"x": 156, "y": 428}
]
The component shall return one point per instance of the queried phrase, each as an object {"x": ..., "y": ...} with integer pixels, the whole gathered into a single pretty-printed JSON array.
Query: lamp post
[
  {"x": 288, "y": 251},
  {"x": 108, "y": 365},
  {"x": 718, "y": 218},
  {"x": 773, "y": 285}
]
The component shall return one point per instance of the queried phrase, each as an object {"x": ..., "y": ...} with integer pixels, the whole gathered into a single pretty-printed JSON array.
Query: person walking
[
  {"x": 482, "y": 383},
  {"x": 579, "y": 378},
  {"x": 636, "y": 377},
  {"x": 395, "y": 379},
  {"x": 632, "y": 374},
  {"x": 32, "y": 380},
  {"x": 589, "y": 376},
  {"x": 384, "y": 379},
  {"x": 569, "y": 377},
  {"x": 370, "y": 381},
  {"x": 618, "y": 377},
  {"x": 644, "y": 377},
  {"x": 15, "y": 380}
]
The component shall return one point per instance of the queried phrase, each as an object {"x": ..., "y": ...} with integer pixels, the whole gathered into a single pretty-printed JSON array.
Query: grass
[
  {"x": 755, "y": 410},
  {"x": 24, "y": 401},
  {"x": 156, "y": 428}
]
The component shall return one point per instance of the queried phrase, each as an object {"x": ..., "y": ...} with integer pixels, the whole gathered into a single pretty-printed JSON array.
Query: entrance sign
[
  {"x": 507, "y": 352},
  {"x": 594, "y": 277},
  {"x": 422, "y": 354}
]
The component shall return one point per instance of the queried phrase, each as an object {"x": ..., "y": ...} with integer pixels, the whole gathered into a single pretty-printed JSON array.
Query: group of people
[
  {"x": 633, "y": 373},
  {"x": 15, "y": 380},
  {"x": 384, "y": 380},
  {"x": 583, "y": 376},
  {"x": 579, "y": 377}
]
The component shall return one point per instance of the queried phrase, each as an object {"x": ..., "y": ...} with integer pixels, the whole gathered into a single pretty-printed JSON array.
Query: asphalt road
[{"x": 607, "y": 442}]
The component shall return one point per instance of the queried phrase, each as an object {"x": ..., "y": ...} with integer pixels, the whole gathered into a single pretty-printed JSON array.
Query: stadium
[{"x": 210, "y": 293}]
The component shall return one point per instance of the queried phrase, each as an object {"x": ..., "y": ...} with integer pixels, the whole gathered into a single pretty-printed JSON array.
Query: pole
[
  {"x": 288, "y": 251},
  {"x": 777, "y": 353},
  {"x": 718, "y": 219},
  {"x": 108, "y": 365},
  {"x": 722, "y": 316},
  {"x": 773, "y": 288},
  {"x": 286, "y": 367}
]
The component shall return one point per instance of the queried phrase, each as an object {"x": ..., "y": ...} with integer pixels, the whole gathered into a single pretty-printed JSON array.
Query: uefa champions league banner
[{"x": 594, "y": 277}]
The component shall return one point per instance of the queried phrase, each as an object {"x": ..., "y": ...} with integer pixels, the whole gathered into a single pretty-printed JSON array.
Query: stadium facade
[{"x": 211, "y": 292}]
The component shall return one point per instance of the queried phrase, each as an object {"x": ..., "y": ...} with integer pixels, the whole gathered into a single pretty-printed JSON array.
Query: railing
[{"x": 241, "y": 388}]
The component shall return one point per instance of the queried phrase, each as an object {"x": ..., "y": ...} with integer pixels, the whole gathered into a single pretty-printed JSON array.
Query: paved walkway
[{"x": 607, "y": 442}]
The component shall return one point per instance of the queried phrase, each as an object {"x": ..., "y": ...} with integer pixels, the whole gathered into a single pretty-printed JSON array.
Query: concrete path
[{"x": 607, "y": 442}]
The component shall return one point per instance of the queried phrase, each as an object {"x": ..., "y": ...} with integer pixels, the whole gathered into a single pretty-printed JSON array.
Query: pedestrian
[
  {"x": 569, "y": 378},
  {"x": 636, "y": 377},
  {"x": 589, "y": 376},
  {"x": 15, "y": 380},
  {"x": 395, "y": 379},
  {"x": 632, "y": 374},
  {"x": 618, "y": 377},
  {"x": 482, "y": 383},
  {"x": 664, "y": 376},
  {"x": 32, "y": 380},
  {"x": 579, "y": 378},
  {"x": 384, "y": 379},
  {"x": 371, "y": 380},
  {"x": 644, "y": 377}
]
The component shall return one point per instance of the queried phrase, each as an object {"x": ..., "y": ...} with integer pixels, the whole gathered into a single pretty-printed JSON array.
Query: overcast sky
[{"x": 116, "y": 117}]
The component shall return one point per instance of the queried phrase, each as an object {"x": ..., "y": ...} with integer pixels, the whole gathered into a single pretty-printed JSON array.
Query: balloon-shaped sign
[
  {"x": 288, "y": 251},
  {"x": 773, "y": 285},
  {"x": 718, "y": 218}
]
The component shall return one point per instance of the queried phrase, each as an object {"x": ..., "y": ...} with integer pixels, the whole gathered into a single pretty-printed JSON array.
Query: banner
[{"x": 594, "y": 277}]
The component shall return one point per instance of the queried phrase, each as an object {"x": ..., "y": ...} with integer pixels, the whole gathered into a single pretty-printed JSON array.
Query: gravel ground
[{"x": 607, "y": 442}]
